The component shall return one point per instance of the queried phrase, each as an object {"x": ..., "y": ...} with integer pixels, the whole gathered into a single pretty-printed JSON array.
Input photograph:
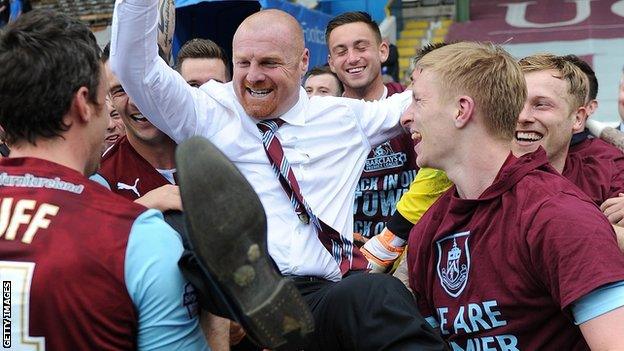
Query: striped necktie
[{"x": 346, "y": 255}]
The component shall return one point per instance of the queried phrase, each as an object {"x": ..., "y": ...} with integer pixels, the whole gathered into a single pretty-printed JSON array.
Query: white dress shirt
[{"x": 326, "y": 140}]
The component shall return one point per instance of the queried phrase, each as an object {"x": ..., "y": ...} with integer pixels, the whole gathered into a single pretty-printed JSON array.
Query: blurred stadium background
[{"x": 591, "y": 29}]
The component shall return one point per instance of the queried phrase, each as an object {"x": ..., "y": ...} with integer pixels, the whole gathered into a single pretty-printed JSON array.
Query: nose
[
  {"x": 352, "y": 57},
  {"x": 254, "y": 73},
  {"x": 407, "y": 118},
  {"x": 111, "y": 124},
  {"x": 526, "y": 115}
]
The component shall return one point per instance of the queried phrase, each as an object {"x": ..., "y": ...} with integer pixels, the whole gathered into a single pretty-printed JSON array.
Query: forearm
[{"x": 159, "y": 92}]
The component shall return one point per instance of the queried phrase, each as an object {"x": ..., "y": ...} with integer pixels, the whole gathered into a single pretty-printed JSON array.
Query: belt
[{"x": 305, "y": 278}]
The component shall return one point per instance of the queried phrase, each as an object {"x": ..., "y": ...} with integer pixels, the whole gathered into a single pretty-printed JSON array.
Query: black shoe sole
[{"x": 227, "y": 230}]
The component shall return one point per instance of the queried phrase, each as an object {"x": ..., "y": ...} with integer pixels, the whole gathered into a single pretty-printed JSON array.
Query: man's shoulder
[{"x": 597, "y": 148}]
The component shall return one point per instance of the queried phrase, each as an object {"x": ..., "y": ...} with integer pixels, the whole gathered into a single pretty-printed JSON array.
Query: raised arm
[{"x": 159, "y": 92}]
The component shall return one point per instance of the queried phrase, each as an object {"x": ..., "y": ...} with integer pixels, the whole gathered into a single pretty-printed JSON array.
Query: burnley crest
[{"x": 453, "y": 262}]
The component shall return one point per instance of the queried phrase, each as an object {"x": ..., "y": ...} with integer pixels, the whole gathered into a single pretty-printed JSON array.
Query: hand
[
  {"x": 164, "y": 198},
  {"x": 382, "y": 250},
  {"x": 613, "y": 208}
]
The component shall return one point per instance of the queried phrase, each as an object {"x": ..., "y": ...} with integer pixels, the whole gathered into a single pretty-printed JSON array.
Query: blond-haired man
[{"x": 495, "y": 262}]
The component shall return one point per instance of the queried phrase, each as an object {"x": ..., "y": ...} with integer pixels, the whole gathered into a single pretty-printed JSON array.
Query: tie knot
[{"x": 270, "y": 125}]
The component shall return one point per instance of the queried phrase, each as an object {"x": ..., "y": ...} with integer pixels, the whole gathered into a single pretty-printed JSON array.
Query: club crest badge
[{"x": 453, "y": 262}]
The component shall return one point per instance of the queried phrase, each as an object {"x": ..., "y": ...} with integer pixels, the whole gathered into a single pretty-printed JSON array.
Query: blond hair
[
  {"x": 568, "y": 71},
  {"x": 488, "y": 74}
]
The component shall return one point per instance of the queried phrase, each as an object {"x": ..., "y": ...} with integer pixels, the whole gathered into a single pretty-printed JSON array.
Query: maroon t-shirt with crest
[
  {"x": 388, "y": 172},
  {"x": 62, "y": 257},
  {"x": 500, "y": 272}
]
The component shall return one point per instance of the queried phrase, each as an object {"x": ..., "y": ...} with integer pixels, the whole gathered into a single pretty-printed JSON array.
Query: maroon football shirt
[
  {"x": 501, "y": 271},
  {"x": 388, "y": 172},
  {"x": 63, "y": 246},
  {"x": 128, "y": 173}
]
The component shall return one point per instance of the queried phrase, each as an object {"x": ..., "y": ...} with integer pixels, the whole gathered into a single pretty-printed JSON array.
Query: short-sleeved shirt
[
  {"x": 86, "y": 269},
  {"x": 127, "y": 172},
  {"x": 501, "y": 271}
]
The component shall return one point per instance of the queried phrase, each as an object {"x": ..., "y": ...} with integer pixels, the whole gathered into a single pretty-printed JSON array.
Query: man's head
[
  {"x": 466, "y": 86},
  {"x": 138, "y": 128},
  {"x": 321, "y": 81},
  {"x": 554, "y": 108},
  {"x": 356, "y": 52},
  {"x": 51, "y": 82},
  {"x": 591, "y": 103},
  {"x": 269, "y": 60},
  {"x": 116, "y": 128},
  {"x": 201, "y": 60}
]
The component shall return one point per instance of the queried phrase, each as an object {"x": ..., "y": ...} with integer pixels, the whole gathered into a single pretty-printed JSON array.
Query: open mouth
[
  {"x": 258, "y": 93},
  {"x": 416, "y": 136},
  {"x": 112, "y": 138},
  {"x": 355, "y": 70},
  {"x": 528, "y": 137}
]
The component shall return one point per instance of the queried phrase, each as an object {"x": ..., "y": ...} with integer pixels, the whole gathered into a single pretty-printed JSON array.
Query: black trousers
[{"x": 364, "y": 312}]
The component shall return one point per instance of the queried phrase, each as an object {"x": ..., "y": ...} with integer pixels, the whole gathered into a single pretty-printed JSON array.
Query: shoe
[{"x": 226, "y": 228}]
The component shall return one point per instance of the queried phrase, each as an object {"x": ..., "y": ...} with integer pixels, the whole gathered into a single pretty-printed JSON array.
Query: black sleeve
[{"x": 399, "y": 226}]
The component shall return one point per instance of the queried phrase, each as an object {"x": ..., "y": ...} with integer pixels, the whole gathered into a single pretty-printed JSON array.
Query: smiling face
[
  {"x": 548, "y": 118},
  {"x": 116, "y": 127},
  {"x": 355, "y": 55},
  {"x": 136, "y": 125},
  {"x": 269, "y": 61},
  {"x": 430, "y": 120}
]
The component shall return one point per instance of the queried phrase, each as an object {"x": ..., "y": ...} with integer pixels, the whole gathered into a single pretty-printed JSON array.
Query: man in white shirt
[{"x": 325, "y": 142}]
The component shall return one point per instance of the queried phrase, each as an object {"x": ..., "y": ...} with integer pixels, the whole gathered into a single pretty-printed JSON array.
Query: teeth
[
  {"x": 416, "y": 136},
  {"x": 355, "y": 70},
  {"x": 259, "y": 93},
  {"x": 528, "y": 136}
]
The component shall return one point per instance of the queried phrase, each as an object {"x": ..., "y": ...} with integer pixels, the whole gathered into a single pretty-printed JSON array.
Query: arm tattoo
[{"x": 166, "y": 26}]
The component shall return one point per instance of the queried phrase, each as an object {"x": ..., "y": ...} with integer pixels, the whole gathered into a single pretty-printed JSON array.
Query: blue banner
[{"x": 313, "y": 23}]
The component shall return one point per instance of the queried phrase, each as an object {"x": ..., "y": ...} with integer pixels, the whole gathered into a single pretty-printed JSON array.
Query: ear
[
  {"x": 305, "y": 60},
  {"x": 465, "y": 111},
  {"x": 80, "y": 109},
  {"x": 591, "y": 107},
  {"x": 330, "y": 61},
  {"x": 580, "y": 117},
  {"x": 384, "y": 51}
]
